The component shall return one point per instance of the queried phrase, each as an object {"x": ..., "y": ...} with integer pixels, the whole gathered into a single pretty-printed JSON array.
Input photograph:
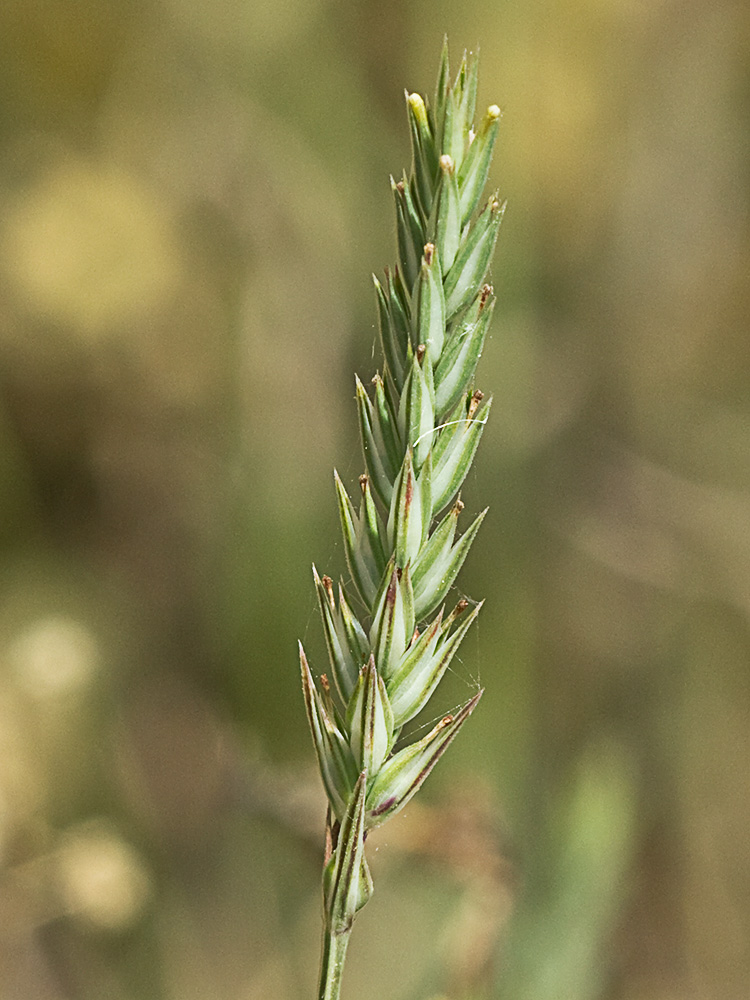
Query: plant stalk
[{"x": 332, "y": 962}]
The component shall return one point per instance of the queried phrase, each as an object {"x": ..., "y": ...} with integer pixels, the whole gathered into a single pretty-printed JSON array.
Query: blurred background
[{"x": 192, "y": 198}]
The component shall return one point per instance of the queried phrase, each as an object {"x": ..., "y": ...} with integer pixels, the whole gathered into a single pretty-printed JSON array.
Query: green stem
[{"x": 332, "y": 963}]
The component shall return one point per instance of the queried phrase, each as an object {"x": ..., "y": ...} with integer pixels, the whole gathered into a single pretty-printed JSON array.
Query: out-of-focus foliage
[{"x": 192, "y": 197}]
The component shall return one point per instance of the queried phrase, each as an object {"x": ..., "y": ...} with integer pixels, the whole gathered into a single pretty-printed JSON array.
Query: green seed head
[{"x": 421, "y": 420}]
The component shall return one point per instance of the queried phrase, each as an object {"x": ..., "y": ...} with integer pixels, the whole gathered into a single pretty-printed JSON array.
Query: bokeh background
[{"x": 192, "y": 198}]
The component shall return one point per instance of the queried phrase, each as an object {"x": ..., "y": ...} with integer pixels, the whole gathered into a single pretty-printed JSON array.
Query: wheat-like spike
[{"x": 420, "y": 426}]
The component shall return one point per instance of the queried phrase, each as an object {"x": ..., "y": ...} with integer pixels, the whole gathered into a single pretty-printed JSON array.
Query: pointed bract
[
  {"x": 369, "y": 719},
  {"x": 343, "y": 877},
  {"x": 466, "y": 87},
  {"x": 425, "y": 156},
  {"x": 460, "y": 357},
  {"x": 412, "y": 685},
  {"x": 393, "y": 622},
  {"x": 433, "y": 582},
  {"x": 416, "y": 415},
  {"x": 409, "y": 230},
  {"x": 352, "y": 628},
  {"x": 406, "y": 521},
  {"x": 389, "y": 334},
  {"x": 448, "y": 223},
  {"x": 344, "y": 639},
  {"x": 373, "y": 448},
  {"x": 473, "y": 259},
  {"x": 405, "y": 773},
  {"x": 429, "y": 312},
  {"x": 408, "y": 256},
  {"x": 442, "y": 87},
  {"x": 335, "y": 759},
  {"x": 455, "y": 448},
  {"x": 475, "y": 167},
  {"x": 438, "y": 542},
  {"x": 362, "y": 544}
]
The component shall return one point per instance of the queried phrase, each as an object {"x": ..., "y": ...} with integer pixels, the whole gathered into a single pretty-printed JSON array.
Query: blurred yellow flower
[{"x": 90, "y": 246}]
